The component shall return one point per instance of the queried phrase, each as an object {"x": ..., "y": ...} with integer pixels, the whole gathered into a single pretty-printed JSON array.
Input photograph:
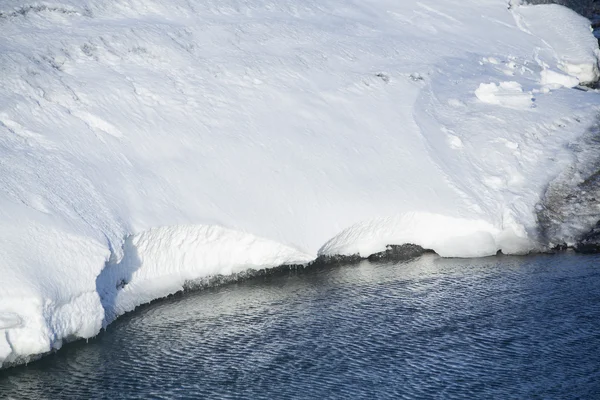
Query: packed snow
[
  {"x": 573, "y": 48},
  {"x": 508, "y": 94},
  {"x": 145, "y": 144},
  {"x": 555, "y": 79}
]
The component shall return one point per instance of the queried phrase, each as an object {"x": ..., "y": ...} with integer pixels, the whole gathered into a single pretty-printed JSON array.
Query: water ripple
[{"x": 503, "y": 327}]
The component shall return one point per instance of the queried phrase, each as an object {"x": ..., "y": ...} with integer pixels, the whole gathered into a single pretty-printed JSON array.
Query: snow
[
  {"x": 555, "y": 79},
  {"x": 508, "y": 94},
  {"x": 450, "y": 237},
  {"x": 570, "y": 44},
  {"x": 144, "y": 145},
  {"x": 160, "y": 261}
]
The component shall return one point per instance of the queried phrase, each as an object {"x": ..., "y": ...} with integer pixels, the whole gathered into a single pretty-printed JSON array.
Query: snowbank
[
  {"x": 447, "y": 236},
  {"x": 437, "y": 123},
  {"x": 570, "y": 45},
  {"x": 160, "y": 261}
]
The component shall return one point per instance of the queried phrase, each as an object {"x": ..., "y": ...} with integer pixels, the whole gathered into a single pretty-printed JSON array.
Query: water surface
[{"x": 500, "y": 327}]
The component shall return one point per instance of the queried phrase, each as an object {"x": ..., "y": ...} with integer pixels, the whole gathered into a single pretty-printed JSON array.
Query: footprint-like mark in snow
[
  {"x": 506, "y": 94},
  {"x": 98, "y": 123},
  {"x": 510, "y": 66}
]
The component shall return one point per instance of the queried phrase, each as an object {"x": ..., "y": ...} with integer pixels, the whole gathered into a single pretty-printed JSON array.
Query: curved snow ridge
[
  {"x": 573, "y": 49},
  {"x": 160, "y": 261},
  {"x": 447, "y": 236}
]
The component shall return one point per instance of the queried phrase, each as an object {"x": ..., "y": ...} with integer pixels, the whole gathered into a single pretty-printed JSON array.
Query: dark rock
[
  {"x": 383, "y": 77},
  {"x": 392, "y": 252},
  {"x": 590, "y": 242},
  {"x": 399, "y": 252},
  {"x": 559, "y": 248},
  {"x": 337, "y": 259}
]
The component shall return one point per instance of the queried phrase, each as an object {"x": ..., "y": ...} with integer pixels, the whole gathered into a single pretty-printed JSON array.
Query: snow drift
[{"x": 132, "y": 132}]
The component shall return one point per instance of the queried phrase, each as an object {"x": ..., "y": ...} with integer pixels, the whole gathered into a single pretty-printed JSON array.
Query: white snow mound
[
  {"x": 569, "y": 43},
  {"x": 556, "y": 79},
  {"x": 447, "y": 236},
  {"x": 508, "y": 94}
]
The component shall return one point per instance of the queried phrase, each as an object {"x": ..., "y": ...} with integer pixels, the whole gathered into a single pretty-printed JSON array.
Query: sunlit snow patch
[
  {"x": 507, "y": 94},
  {"x": 554, "y": 79},
  {"x": 572, "y": 47}
]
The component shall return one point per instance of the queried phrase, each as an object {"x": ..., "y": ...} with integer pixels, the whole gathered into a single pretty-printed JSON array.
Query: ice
[{"x": 147, "y": 144}]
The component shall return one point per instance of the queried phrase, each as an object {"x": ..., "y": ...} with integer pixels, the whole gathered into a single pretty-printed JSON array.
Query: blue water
[{"x": 500, "y": 327}]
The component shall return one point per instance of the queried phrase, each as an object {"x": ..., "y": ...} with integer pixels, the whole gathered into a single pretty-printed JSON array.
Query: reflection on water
[{"x": 500, "y": 327}]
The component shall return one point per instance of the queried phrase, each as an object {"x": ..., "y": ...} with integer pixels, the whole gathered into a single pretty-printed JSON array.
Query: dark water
[{"x": 501, "y": 327}]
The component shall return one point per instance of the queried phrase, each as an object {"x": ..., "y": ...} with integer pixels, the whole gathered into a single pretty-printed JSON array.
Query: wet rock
[
  {"x": 590, "y": 242},
  {"x": 337, "y": 259},
  {"x": 399, "y": 252}
]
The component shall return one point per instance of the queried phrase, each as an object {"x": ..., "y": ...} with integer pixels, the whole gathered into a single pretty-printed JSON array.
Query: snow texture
[
  {"x": 568, "y": 36},
  {"x": 147, "y": 144},
  {"x": 508, "y": 94}
]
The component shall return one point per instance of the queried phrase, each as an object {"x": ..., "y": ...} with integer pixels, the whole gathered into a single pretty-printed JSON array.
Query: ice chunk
[
  {"x": 507, "y": 94},
  {"x": 555, "y": 79}
]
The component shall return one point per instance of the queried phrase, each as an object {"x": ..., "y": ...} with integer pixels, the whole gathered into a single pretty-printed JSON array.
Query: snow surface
[
  {"x": 508, "y": 94},
  {"x": 556, "y": 79},
  {"x": 148, "y": 143},
  {"x": 571, "y": 46}
]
